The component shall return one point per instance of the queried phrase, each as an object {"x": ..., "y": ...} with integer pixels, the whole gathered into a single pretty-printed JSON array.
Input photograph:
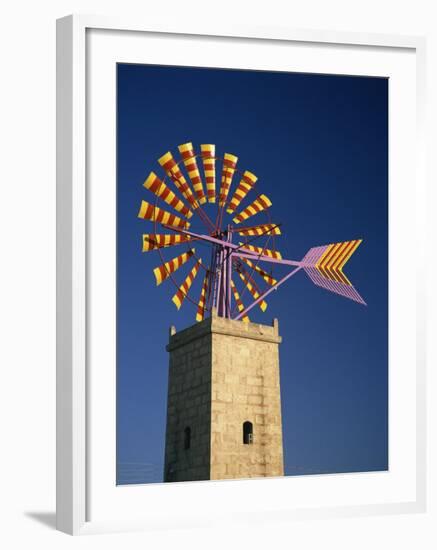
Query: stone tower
[{"x": 223, "y": 408}]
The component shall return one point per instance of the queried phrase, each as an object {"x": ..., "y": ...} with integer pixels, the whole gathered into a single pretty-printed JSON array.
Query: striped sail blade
[
  {"x": 260, "y": 251},
  {"x": 154, "y": 213},
  {"x": 228, "y": 170},
  {"x": 173, "y": 172},
  {"x": 153, "y": 241},
  {"x": 200, "y": 314},
  {"x": 259, "y": 204},
  {"x": 252, "y": 289},
  {"x": 239, "y": 303},
  {"x": 163, "y": 271},
  {"x": 263, "y": 229},
  {"x": 246, "y": 183},
  {"x": 158, "y": 187},
  {"x": 182, "y": 293},
  {"x": 208, "y": 161},
  {"x": 188, "y": 156},
  {"x": 266, "y": 276}
]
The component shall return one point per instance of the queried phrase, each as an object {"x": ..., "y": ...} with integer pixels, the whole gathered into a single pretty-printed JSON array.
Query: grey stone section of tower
[{"x": 223, "y": 373}]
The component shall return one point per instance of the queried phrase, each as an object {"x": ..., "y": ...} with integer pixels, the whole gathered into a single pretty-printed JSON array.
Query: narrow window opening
[
  {"x": 247, "y": 433},
  {"x": 187, "y": 438}
]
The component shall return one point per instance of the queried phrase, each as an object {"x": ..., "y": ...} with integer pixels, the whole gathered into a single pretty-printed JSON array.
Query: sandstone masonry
[{"x": 223, "y": 374}]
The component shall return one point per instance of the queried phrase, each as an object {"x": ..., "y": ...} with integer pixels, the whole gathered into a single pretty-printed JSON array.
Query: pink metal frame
[{"x": 225, "y": 251}]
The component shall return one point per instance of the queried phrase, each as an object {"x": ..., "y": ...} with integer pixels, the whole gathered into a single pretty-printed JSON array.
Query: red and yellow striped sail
[
  {"x": 228, "y": 171},
  {"x": 259, "y": 204},
  {"x": 153, "y": 241},
  {"x": 181, "y": 294},
  {"x": 173, "y": 172},
  {"x": 331, "y": 263},
  {"x": 200, "y": 314},
  {"x": 263, "y": 229},
  {"x": 247, "y": 181},
  {"x": 188, "y": 156},
  {"x": 266, "y": 276},
  {"x": 162, "y": 272},
  {"x": 208, "y": 160},
  {"x": 251, "y": 288},
  {"x": 239, "y": 303},
  {"x": 261, "y": 251},
  {"x": 154, "y": 213},
  {"x": 158, "y": 187}
]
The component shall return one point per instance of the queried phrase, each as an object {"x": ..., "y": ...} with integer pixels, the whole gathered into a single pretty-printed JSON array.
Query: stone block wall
[
  {"x": 189, "y": 405},
  {"x": 245, "y": 388},
  {"x": 224, "y": 373}
]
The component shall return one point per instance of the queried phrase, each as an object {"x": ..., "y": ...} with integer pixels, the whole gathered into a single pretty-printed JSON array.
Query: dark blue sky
[{"x": 319, "y": 146}]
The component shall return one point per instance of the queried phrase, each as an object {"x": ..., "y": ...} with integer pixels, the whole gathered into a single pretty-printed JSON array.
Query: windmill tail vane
[
  {"x": 221, "y": 262},
  {"x": 324, "y": 266}
]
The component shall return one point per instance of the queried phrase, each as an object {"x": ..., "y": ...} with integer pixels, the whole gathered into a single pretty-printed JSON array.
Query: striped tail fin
[{"x": 324, "y": 266}]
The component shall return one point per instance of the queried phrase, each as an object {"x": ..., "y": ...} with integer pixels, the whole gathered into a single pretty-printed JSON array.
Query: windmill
[
  {"x": 212, "y": 229},
  {"x": 222, "y": 231}
]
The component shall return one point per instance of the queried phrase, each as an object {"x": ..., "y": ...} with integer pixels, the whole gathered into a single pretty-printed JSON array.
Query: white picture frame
[{"x": 75, "y": 393}]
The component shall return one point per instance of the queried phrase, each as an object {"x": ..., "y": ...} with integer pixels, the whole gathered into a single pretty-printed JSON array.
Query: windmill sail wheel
[{"x": 216, "y": 241}]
